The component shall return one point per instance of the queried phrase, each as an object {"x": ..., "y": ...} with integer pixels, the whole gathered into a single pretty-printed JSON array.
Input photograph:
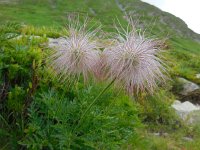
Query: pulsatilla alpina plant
[{"x": 131, "y": 62}]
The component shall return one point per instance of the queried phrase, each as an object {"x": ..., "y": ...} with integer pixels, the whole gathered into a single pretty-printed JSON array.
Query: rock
[
  {"x": 156, "y": 134},
  {"x": 187, "y": 111},
  {"x": 187, "y": 139},
  {"x": 194, "y": 117},
  {"x": 92, "y": 11},
  {"x": 188, "y": 86},
  {"x": 176, "y": 102},
  {"x": 198, "y": 76},
  {"x": 57, "y": 43},
  {"x": 164, "y": 134},
  {"x": 185, "y": 106},
  {"x": 29, "y": 36},
  {"x": 120, "y": 6}
]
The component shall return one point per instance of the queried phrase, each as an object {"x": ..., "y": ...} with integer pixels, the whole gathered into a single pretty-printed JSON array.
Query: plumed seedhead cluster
[
  {"x": 133, "y": 61},
  {"x": 79, "y": 54}
]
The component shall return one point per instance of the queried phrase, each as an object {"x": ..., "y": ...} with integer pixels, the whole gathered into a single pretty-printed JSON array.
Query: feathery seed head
[
  {"x": 78, "y": 54},
  {"x": 134, "y": 62}
]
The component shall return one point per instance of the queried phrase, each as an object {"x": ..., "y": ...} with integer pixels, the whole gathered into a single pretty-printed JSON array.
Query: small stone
[
  {"x": 57, "y": 43},
  {"x": 176, "y": 102},
  {"x": 188, "y": 86},
  {"x": 187, "y": 138},
  {"x": 156, "y": 134},
  {"x": 165, "y": 134},
  {"x": 185, "y": 106},
  {"x": 187, "y": 111},
  {"x": 161, "y": 134},
  {"x": 198, "y": 76}
]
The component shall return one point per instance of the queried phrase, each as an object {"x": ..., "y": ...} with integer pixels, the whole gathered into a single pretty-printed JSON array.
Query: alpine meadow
[{"x": 97, "y": 75}]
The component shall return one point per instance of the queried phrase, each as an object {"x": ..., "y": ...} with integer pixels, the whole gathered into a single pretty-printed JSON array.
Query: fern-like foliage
[{"x": 108, "y": 125}]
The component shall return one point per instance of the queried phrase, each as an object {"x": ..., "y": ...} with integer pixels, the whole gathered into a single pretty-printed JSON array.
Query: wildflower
[{"x": 134, "y": 63}]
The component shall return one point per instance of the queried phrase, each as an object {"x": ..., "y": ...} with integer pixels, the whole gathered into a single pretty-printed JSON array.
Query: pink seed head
[
  {"x": 79, "y": 53},
  {"x": 134, "y": 62}
]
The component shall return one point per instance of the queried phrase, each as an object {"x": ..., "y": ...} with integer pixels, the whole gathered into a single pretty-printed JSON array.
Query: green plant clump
[{"x": 38, "y": 112}]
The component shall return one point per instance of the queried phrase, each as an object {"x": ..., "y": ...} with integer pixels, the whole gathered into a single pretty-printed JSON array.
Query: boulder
[
  {"x": 187, "y": 111},
  {"x": 187, "y": 86}
]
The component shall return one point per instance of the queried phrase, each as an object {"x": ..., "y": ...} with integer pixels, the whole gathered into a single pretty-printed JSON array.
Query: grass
[
  {"x": 178, "y": 140},
  {"x": 185, "y": 58}
]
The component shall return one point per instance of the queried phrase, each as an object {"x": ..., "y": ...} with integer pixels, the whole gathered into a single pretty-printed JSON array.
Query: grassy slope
[
  {"x": 54, "y": 13},
  {"x": 183, "y": 56}
]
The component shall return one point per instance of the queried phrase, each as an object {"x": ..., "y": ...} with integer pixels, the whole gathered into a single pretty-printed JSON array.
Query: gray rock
[
  {"x": 164, "y": 134},
  {"x": 57, "y": 43},
  {"x": 188, "y": 86},
  {"x": 176, "y": 102},
  {"x": 187, "y": 139},
  {"x": 187, "y": 111},
  {"x": 29, "y": 36},
  {"x": 156, "y": 134},
  {"x": 185, "y": 106},
  {"x": 120, "y": 6},
  {"x": 92, "y": 11},
  {"x": 198, "y": 76}
]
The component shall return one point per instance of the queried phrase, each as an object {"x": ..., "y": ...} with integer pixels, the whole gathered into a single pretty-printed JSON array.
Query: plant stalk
[{"x": 93, "y": 102}]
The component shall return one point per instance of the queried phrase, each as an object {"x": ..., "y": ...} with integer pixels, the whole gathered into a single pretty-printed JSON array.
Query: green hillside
[
  {"x": 39, "y": 112},
  {"x": 50, "y": 13}
]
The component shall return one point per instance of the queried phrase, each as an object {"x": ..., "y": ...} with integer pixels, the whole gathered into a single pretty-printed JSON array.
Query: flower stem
[{"x": 93, "y": 102}]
